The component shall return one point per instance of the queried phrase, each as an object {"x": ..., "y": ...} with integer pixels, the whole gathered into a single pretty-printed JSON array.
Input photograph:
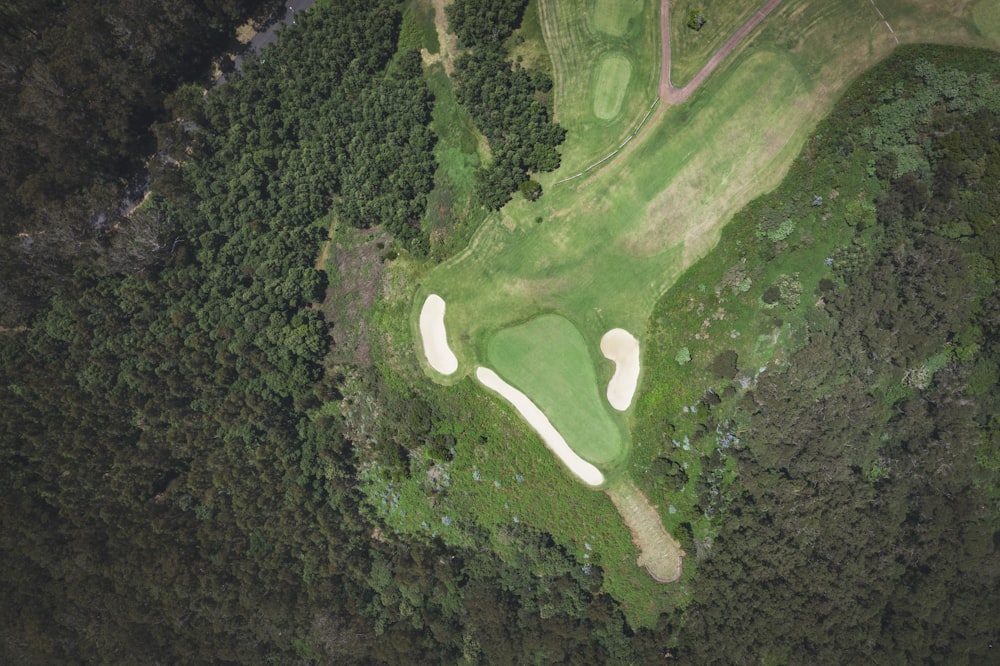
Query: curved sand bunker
[
  {"x": 621, "y": 347},
  {"x": 537, "y": 420},
  {"x": 435, "y": 337}
]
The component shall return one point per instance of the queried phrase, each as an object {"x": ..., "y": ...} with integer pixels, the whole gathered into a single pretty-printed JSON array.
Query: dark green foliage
[
  {"x": 481, "y": 22},
  {"x": 179, "y": 475},
  {"x": 504, "y": 101},
  {"x": 178, "y": 482},
  {"x": 724, "y": 364},
  {"x": 867, "y": 487},
  {"x": 530, "y": 189},
  {"x": 324, "y": 121},
  {"x": 81, "y": 85},
  {"x": 696, "y": 20}
]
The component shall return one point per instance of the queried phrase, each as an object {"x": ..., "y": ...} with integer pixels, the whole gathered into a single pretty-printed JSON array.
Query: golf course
[{"x": 548, "y": 304}]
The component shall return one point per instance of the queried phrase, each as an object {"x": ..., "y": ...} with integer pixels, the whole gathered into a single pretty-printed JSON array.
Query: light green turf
[
  {"x": 574, "y": 47},
  {"x": 610, "y": 243},
  {"x": 987, "y": 15},
  {"x": 612, "y": 17},
  {"x": 689, "y": 49},
  {"x": 548, "y": 360},
  {"x": 611, "y": 79}
]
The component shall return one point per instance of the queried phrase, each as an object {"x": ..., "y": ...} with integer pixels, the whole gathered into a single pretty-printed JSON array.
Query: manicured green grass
[
  {"x": 690, "y": 49},
  {"x": 610, "y": 243},
  {"x": 575, "y": 45},
  {"x": 548, "y": 360},
  {"x": 612, "y": 17},
  {"x": 600, "y": 250},
  {"x": 987, "y": 16},
  {"x": 611, "y": 79}
]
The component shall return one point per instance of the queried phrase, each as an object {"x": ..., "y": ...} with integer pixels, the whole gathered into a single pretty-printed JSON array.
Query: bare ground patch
[
  {"x": 660, "y": 554},
  {"x": 448, "y": 42},
  {"x": 355, "y": 280}
]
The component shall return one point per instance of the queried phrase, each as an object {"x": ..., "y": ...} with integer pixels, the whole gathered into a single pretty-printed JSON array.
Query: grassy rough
[{"x": 612, "y": 242}]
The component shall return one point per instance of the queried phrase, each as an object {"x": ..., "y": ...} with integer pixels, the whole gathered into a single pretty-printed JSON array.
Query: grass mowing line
[
  {"x": 612, "y": 75},
  {"x": 661, "y": 554},
  {"x": 548, "y": 359},
  {"x": 580, "y": 46},
  {"x": 690, "y": 49},
  {"x": 617, "y": 150},
  {"x": 612, "y": 17},
  {"x": 692, "y": 167},
  {"x": 675, "y": 95}
]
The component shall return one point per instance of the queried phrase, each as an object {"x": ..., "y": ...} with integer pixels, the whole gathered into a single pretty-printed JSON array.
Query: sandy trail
[
  {"x": 447, "y": 42},
  {"x": 673, "y": 95},
  {"x": 660, "y": 554}
]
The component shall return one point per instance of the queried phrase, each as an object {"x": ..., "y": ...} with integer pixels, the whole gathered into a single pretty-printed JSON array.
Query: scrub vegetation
[{"x": 217, "y": 449}]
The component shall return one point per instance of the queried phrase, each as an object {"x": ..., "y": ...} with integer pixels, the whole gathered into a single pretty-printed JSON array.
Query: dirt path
[
  {"x": 660, "y": 554},
  {"x": 447, "y": 42},
  {"x": 673, "y": 95}
]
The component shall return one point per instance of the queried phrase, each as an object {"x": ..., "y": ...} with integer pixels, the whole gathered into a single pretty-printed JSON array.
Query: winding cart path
[{"x": 674, "y": 95}]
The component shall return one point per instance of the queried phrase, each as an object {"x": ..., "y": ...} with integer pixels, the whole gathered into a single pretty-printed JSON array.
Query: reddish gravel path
[{"x": 673, "y": 95}]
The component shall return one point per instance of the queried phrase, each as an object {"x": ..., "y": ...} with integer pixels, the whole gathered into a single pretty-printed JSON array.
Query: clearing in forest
[{"x": 542, "y": 282}]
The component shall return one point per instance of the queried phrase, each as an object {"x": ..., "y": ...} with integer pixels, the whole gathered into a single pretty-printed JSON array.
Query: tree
[
  {"x": 531, "y": 189},
  {"x": 696, "y": 20}
]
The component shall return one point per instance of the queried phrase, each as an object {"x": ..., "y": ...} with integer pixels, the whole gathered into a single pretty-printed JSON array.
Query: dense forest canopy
[
  {"x": 180, "y": 469},
  {"x": 81, "y": 84}
]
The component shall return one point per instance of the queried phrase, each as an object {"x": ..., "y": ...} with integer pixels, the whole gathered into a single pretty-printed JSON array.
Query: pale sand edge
[
  {"x": 435, "y": 336},
  {"x": 621, "y": 347},
  {"x": 537, "y": 420}
]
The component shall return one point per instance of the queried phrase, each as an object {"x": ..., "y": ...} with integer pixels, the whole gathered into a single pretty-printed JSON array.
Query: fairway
[
  {"x": 610, "y": 83},
  {"x": 612, "y": 16},
  {"x": 987, "y": 16},
  {"x": 542, "y": 282},
  {"x": 548, "y": 360}
]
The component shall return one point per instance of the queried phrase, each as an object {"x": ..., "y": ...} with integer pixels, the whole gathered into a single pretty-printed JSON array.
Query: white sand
[
  {"x": 537, "y": 420},
  {"x": 432, "y": 330},
  {"x": 622, "y": 348}
]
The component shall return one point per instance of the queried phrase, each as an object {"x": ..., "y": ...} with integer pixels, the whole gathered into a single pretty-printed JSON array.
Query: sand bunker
[
  {"x": 619, "y": 346},
  {"x": 435, "y": 338},
  {"x": 537, "y": 420}
]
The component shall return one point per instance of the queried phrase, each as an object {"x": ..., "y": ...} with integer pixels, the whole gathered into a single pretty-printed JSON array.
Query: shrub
[{"x": 696, "y": 20}]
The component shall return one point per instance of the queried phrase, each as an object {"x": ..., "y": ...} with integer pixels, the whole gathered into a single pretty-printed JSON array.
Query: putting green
[
  {"x": 600, "y": 249},
  {"x": 549, "y": 361},
  {"x": 611, "y": 80},
  {"x": 612, "y": 16}
]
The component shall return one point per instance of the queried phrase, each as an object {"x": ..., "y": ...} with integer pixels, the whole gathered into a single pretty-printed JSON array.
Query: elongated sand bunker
[
  {"x": 435, "y": 337},
  {"x": 621, "y": 347},
  {"x": 537, "y": 420}
]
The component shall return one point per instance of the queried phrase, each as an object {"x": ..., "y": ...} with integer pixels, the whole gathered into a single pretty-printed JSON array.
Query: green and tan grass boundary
[{"x": 660, "y": 554}]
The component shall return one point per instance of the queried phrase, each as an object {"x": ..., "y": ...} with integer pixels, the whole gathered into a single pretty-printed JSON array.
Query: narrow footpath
[{"x": 674, "y": 95}]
